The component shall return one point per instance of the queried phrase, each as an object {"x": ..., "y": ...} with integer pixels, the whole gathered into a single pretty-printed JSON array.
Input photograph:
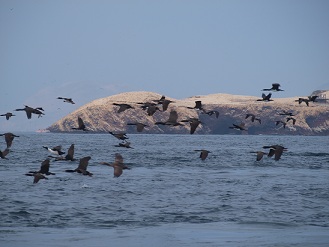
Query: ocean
[{"x": 169, "y": 197}]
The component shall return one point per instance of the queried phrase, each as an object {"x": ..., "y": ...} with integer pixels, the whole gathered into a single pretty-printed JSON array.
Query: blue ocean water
[{"x": 169, "y": 197}]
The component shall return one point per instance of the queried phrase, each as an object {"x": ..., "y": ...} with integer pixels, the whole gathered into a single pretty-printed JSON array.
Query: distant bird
[
  {"x": 69, "y": 156},
  {"x": 275, "y": 88},
  {"x": 266, "y": 97},
  {"x": 82, "y": 168},
  {"x": 124, "y": 144},
  {"x": 9, "y": 137},
  {"x": 286, "y": 113},
  {"x": 259, "y": 155},
  {"x": 198, "y": 105},
  {"x": 117, "y": 165},
  {"x": 160, "y": 101},
  {"x": 55, "y": 150},
  {"x": 29, "y": 110},
  {"x": 204, "y": 153},
  {"x": 81, "y": 125},
  {"x": 253, "y": 117},
  {"x": 194, "y": 123},
  {"x": 67, "y": 100},
  {"x": 172, "y": 120},
  {"x": 37, "y": 176},
  {"x": 152, "y": 109},
  {"x": 146, "y": 104},
  {"x": 238, "y": 127},
  {"x": 210, "y": 113},
  {"x": 120, "y": 136},
  {"x": 291, "y": 118},
  {"x": 7, "y": 115},
  {"x": 139, "y": 126},
  {"x": 300, "y": 100},
  {"x": 4, "y": 153},
  {"x": 123, "y": 107},
  {"x": 313, "y": 98},
  {"x": 280, "y": 122},
  {"x": 164, "y": 102},
  {"x": 44, "y": 169},
  {"x": 276, "y": 150}
]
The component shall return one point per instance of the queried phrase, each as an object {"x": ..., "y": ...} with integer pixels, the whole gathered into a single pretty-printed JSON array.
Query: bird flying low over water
[
  {"x": 139, "y": 126},
  {"x": 55, "y": 150},
  {"x": 194, "y": 123},
  {"x": 69, "y": 156},
  {"x": 204, "y": 153},
  {"x": 117, "y": 165},
  {"x": 7, "y": 115},
  {"x": 275, "y": 150},
  {"x": 123, "y": 107},
  {"x": 44, "y": 169},
  {"x": 67, "y": 100},
  {"x": 275, "y": 88},
  {"x": 172, "y": 120},
  {"x": 37, "y": 177},
  {"x": 9, "y": 137},
  {"x": 241, "y": 126},
  {"x": 253, "y": 118},
  {"x": 259, "y": 155},
  {"x": 81, "y": 125},
  {"x": 4, "y": 153},
  {"x": 29, "y": 110},
  {"x": 266, "y": 97},
  {"x": 120, "y": 136},
  {"x": 82, "y": 168},
  {"x": 124, "y": 144}
]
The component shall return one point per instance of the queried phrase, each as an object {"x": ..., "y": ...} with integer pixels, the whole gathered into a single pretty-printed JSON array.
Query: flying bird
[
  {"x": 117, "y": 165},
  {"x": 266, "y": 97},
  {"x": 194, "y": 123},
  {"x": 291, "y": 118},
  {"x": 9, "y": 137},
  {"x": 67, "y": 100},
  {"x": 203, "y": 153},
  {"x": 281, "y": 122},
  {"x": 37, "y": 177},
  {"x": 120, "y": 136},
  {"x": 44, "y": 169},
  {"x": 300, "y": 100},
  {"x": 259, "y": 155},
  {"x": 82, "y": 168},
  {"x": 275, "y": 150},
  {"x": 4, "y": 153},
  {"x": 81, "y": 125},
  {"x": 172, "y": 120},
  {"x": 253, "y": 118},
  {"x": 29, "y": 110},
  {"x": 240, "y": 126},
  {"x": 124, "y": 144},
  {"x": 139, "y": 126},
  {"x": 55, "y": 150},
  {"x": 7, "y": 115},
  {"x": 313, "y": 98},
  {"x": 123, "y": 107},
  {"x": 198, "y": 105},
  {"x": 275, "y": 88}
]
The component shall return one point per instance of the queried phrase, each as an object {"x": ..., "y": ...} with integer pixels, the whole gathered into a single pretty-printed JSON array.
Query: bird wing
[
  {"x": 259, "y": 155},
  {"x": 194, "y": 124},
  {"x": 70, "y": 153},
  {"x": 118, "y": 158},
  {"x": 278, "y": 152},
  {"x": 80, "y": 123},
  {"x": 173, "y": 116},
  {"x": 84, "y": 163},
  {"x": 9, "y": 139},
  {"x": 117, "y": 170},
  {"x": 45, "y": 166}
]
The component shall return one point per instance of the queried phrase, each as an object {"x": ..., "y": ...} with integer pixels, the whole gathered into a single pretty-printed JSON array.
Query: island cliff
[{"x": 101, "y": 115}]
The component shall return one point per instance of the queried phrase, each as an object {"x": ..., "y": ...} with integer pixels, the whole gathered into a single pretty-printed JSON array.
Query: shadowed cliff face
[{"x": 101, "y": 115}]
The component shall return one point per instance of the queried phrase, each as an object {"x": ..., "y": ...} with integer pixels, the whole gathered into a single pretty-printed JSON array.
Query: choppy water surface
[{"x": 169, "y": 197}]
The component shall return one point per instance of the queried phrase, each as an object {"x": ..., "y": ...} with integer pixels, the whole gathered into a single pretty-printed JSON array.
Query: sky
[{"x": 90, "y": 49}]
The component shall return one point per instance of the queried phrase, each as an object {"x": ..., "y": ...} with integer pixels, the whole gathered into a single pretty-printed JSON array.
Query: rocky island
[{"x": 102, "y": 115}]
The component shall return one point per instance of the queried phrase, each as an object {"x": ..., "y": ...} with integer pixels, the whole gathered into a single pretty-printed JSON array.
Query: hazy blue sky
[{"x": 92, "y": 49}]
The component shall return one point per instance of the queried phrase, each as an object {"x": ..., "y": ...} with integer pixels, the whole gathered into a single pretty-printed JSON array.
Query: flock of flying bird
[{"x": 151, "y": 108}]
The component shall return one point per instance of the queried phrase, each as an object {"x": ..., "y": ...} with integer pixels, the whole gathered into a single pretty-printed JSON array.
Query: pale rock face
[{"x": 101, "y": 115}]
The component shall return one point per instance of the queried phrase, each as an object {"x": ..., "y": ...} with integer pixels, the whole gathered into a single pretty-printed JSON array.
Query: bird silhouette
[
  {"x": 37, "y": 177},
  {"x": 139, "y": 126},
  {"x": 29, "y": 110},
  {"x": 292, "y": 119},
  {"x": 9, "y": 137},
  {"x": 203, "y": 153},
  {"x": 172, "y": 120},
  {"x": 117, "y": 165},
  {"x": 253, "y": 117},
  {"x": 259, "y": 155},
  {"x": 55, "y": 150},
  {"x": 124, "y": 144},
  {"x": 275, "y": 150},
  {"x": 275, "y": 88},
  {"x": 198, "y": 105},
  {"x": 281, "y": 122},
  {"x": 123, "y": 107},
  {"x": 81, "y": 125},
  {"x": 67, "y": 100},
  {"x": 44, "y": 169},
  {"x": 82, "y": 168},
  {"x": 4, "y": 153},
  {"x": 7, "y": 115},
  {"x": 120, "y": 136},
  {"x": 194, "y": 123},
  {"x": 240, "y": 126},
  {"x": 313, "y": 98},
  {"x": 266, "y": 97},
  {"x": 300, "y": 100}
]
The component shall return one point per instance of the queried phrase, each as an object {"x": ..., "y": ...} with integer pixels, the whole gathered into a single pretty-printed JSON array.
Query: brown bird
[
  {"x": 67, "y": 100},
  {"x": 253, "y": 118},
  {"x": 124, "y": 144},
  {"x": 44, "y": 169},
  {"x": 194, "y": 123},
  {"x": 81, "y": 125},
  {"x": 275, "y": 150},
  {"x": 259, "y": 155},
  {"x": 37, "y": 177},
  {"x": 123, "y": 107},
  {"x": 172, "y": 120},
  {"x": 9, "y": 137},
  {"x": 152, "y": 109},
  {"x": 266, "y": 97},
  {"x": 275, "y": 88},
  {"x": 117, "y": 165},
  {"x": 7, "y": 115},
  {"x": 82, "y": 168},
  {"x": 4, "y": 153},
  {"x": 139, "y": 126},
  {"x": 29, "y": 110},
  {"x": 204, "y": 153}
]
